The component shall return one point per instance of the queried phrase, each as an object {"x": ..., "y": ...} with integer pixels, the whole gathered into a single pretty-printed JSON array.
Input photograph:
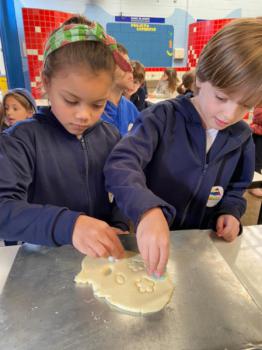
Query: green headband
[{"x": 70, "y": 33}]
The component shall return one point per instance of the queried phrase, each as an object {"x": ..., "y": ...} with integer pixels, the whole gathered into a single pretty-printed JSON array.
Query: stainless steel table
[
  {"x": 7, "y": 255},
  {"x": 215, "y": 306}
]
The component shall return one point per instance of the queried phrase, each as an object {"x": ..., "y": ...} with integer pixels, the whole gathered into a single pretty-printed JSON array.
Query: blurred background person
[
  {"x": 18, "y": 104},
  {"x": 119, "y": 111},
  {"x": 138, "y": 93},
  {"x": 186, "y": 87},
  {"x": 167, "y": 85}
]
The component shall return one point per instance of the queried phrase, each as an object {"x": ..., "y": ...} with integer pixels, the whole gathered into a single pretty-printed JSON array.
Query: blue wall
[{"x": 11, "y": 45}]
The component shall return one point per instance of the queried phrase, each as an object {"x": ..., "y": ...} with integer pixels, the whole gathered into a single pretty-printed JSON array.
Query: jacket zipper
[
  {"x": 194, "y": 194},
  {"x": 83, "y": 144}
]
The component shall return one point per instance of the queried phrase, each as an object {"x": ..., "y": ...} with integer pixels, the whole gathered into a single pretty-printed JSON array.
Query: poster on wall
[{"x": 151, "y": 44}]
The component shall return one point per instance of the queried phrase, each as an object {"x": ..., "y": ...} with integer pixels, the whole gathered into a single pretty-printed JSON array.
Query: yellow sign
[
  {"x": 3, "y": 84},
  {"x": 143, "y": 27}
]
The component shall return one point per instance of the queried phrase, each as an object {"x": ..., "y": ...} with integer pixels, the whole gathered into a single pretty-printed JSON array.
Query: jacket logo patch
[
  {"x": 130, "y": 126},
  {"x": 110, "y": 197},
  {"x": 215, "y": 196}
]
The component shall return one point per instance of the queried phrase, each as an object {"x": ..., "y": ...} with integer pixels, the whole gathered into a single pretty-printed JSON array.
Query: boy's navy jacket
[
  {"x": 163, "y": 163},
  {"x": 139, "y": 99},
  {"x": 49, "y": 177}
]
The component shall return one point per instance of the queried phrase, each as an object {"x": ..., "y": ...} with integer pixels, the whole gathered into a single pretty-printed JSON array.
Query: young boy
[
  {"x": 119, "y": 111},
  {"x": 187, "y": 162}
]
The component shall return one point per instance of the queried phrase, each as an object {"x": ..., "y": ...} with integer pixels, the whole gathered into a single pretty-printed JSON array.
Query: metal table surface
[
  {"x": 7, "y": 256},
  {"x": 211, "y": 308}
]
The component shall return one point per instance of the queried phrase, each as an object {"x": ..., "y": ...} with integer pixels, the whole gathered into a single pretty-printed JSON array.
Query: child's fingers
[
  {"x": 143, "y": 249},
  {"x": 162, "y": 261},
  {"x": 90, "y": 252},
  {"x": 220, "y": 226},
  {"x": 112, "y": 243},
  {"x": 228, "y": 234},
  {"x": 229, "y": 238},
  {"x": 100, "y": 249},
  {"x": 117, "y": 250},
  {"x": 227, "y": 229},
  {"x": 118, "y": 231},
  {"x": 153, "y": 258}
]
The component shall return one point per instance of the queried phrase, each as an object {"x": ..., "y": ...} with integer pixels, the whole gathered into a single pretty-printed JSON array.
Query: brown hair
[
  {"x": 78, "y": 20},
  {"x": 172, "y": 78},
  {"x": 21, "y": 99},
  {"x": 92, "y": 54},
  {"x": 122, "y": 49},
  {"x": 188, "y": 82},
  {"x": 232, "y": 60},
  {"x": 138, "y": 71}
]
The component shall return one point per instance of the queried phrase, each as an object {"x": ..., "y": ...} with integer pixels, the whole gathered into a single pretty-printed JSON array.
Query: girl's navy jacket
[
  {"x": 48, "y": 177},
  {"x": 163, "y": 163}
]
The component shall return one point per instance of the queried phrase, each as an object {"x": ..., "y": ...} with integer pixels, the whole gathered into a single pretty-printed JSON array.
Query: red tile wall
[
  {"x": 198, "y": 35},
  {"x": 38, "y": 24}
]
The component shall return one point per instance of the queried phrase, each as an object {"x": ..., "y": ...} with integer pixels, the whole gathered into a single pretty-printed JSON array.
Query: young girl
[
  {"x": 18, "y": 104},
  {"x": 167, "y": 84},
  {"x": 51, "y": 181}
]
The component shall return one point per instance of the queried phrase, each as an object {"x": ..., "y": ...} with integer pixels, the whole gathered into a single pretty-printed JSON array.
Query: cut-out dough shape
[{"x": 125, "y": 283}]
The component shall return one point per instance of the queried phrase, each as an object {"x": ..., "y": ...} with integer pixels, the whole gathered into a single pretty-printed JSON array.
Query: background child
[
  {"x": 51, "y": 181},
  {"x": 18, "y": 104},
  {"x": 137, "y": 94},
  {"x": 256, "y": 127},
  {"x": 119, "y": 111},
  {"x": 186, "y": 162},
  {"x": 187, "y": 86},
  {"x": 167, "y": 84}
]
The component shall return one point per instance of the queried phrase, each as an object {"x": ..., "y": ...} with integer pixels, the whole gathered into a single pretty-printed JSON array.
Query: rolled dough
[{"x": 125, "y": 283}]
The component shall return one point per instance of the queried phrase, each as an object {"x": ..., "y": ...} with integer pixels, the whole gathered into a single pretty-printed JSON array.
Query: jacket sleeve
[
  {"x": 124, "y": 169},
  {"x": 19, "y": 219},
  {"x": 233, "y": 202}
]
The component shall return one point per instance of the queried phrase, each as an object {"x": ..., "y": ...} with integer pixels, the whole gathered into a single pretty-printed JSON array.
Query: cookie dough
[{"x": 125, "y": 283}]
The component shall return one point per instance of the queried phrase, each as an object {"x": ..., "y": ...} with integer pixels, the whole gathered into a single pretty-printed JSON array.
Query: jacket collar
[{"x": 46, "y": 115}]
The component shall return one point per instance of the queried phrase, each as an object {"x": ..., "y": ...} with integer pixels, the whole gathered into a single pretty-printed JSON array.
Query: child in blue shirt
[
  {"x": 119, "y": 111},
  {"x": 186, "y": 162}
]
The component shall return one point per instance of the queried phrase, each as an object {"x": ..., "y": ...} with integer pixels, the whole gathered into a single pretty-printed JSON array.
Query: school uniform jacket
[
  {"x": 48, "y": 177},
  {"x": 163, "y": 163}
]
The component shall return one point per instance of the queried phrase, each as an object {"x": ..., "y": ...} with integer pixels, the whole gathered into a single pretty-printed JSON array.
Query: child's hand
[
  {"x": 227, "y": 227},
  {"x": 96, "y": 238},
  {"x": 153, "y": 240}
]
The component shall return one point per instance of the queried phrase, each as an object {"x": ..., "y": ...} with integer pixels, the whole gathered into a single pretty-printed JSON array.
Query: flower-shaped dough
[
  {"x": 145, "y": 285},
  {"x": 136, "y": 265}
]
